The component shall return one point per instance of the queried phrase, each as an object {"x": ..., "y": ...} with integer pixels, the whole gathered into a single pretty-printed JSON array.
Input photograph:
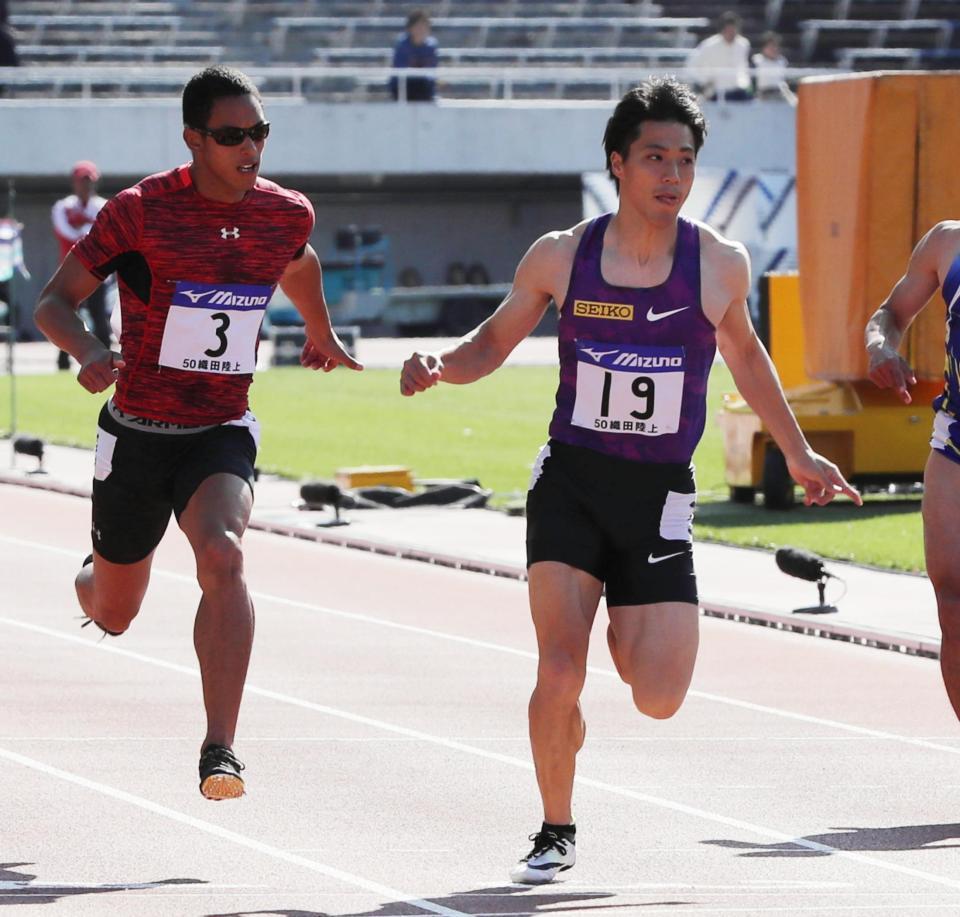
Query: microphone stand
[{"x": 822, "y": 608}]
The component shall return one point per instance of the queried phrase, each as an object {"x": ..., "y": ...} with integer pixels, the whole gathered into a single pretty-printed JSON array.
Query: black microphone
[{"x": 800, "y": 563}]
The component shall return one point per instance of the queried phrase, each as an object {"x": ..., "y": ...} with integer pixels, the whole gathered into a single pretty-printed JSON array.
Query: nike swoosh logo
[
  {"x": 655, "y": 560},
  {"x": 656, "y": 316}
]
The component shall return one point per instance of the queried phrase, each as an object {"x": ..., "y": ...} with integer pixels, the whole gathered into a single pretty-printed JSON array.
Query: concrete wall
[
  {"x": 135, "y": 137},
  {"x": 469, "y": 183}
]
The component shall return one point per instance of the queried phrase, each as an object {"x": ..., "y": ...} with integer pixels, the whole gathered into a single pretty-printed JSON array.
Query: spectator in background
[
  {"x": 417, "y": 48},
  {"x": 8, "y": 50},
  {"x": 73, "y": 216},
  {"x": 720, "y": 65},
  {"x": 770, "y": 68}
]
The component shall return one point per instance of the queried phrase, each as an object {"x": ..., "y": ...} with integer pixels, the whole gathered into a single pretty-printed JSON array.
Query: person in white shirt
[
  {"x": 720, "y": 65},
  {"x": 770, "y": 68},
  {"x": 72, "y": 217}
]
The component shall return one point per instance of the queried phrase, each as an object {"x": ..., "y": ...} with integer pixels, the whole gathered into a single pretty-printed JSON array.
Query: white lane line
[
  {"x": 522, "y": 763},
  {"x": 751, "y": 911},
  {"x": 526, "y": 654},
  {"x": 233, "y": 837},
  {"x": 48, "y": 887},
  {"x": 512, "y": 740}
]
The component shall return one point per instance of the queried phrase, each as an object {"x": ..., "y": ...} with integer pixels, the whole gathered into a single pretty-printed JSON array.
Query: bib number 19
[{"x": 642, "y": 387}]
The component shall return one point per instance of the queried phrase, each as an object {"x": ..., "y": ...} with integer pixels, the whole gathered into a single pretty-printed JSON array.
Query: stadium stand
[{"x": 490, "y": 43}]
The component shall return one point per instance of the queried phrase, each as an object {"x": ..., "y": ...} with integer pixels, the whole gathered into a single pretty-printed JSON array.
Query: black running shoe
[
  {"x": 552, "y": 853},
  {"x": 220, "y": 773},
  {"x": 88, "y": 620}
]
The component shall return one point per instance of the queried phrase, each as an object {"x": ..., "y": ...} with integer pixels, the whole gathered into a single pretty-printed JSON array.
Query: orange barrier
[{"x": 874, "y": 172}]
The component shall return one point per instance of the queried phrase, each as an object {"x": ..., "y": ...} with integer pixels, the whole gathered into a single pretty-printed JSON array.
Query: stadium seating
[{"x": 488, "y": 35}]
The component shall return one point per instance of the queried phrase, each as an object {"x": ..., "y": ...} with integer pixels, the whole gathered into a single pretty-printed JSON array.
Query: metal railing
[{"x": 501, "y": 84}]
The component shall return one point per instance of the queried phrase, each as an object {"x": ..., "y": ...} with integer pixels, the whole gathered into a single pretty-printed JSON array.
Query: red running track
[{"x": 388, "y": 772}]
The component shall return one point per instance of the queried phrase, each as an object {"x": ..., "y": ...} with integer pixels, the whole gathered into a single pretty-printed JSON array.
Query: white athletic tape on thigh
[
  {"x": 103, "y": 456},
  {"x": 542, "y": 456},
  {"x": 676, "y": 520}
]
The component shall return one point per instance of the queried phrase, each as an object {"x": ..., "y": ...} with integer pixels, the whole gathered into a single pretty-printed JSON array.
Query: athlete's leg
[
  {"x": 654, "y": 648},
  {"x": 214, "y": 521},
  {"x": 941, "y": 531},
  {"x": 111, "y": 594},
  {"x": 563, "y": 601}
]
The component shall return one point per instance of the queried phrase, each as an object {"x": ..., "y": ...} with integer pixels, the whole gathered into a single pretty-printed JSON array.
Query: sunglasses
[{"x": 233, "y": 136}]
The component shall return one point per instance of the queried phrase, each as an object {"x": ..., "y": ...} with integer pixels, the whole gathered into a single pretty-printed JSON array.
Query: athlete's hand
[
  {"x": 100, "y": 369},
  {"x": 887, "y": 369},
  {"x": 327, "y": 354},
  {"x": 820, "y": 479},
  {"x": 420, "y": 372}
]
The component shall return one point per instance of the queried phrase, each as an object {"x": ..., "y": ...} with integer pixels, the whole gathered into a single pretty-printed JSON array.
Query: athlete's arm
[
  {"x": 757, "y": 381},
  {"x": 887, "y": 326},
  {"x": 56, "y": 316},
  {"x": 302, "y": 281},
  {"x": 485, "y": 348}
]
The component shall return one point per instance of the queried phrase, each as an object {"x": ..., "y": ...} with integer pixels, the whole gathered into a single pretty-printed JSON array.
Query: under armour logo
[{"x": 229, "y": 233}]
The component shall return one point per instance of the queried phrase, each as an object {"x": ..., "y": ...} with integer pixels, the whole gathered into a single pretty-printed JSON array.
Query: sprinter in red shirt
[{"x": 198, "y": 252}]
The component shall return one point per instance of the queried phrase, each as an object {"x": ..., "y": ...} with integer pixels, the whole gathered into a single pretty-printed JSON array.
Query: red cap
[{"x": 86, "y": 169}]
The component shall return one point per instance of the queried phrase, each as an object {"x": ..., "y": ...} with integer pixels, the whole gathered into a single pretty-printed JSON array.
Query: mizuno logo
[
  {"x": 655, "y": 560},
  {"x": 195, "y": 296},
  {"x": 656, "y": 316},
  {"x": 621, "y": 312},
  {"x": 642, "y": 362},
  {"x": 229, "y": 233},
  {"x": 598, "y": 355},
  {"x": 226, "y": 298}
]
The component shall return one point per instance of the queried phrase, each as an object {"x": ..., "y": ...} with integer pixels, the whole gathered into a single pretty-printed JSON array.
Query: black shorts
[
  {"x": 140, "y": 477},
  {"x": 628, "y": 524}
]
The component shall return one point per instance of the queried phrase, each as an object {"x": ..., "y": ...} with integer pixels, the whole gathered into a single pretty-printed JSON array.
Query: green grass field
[{"x": 315, "y": 423}]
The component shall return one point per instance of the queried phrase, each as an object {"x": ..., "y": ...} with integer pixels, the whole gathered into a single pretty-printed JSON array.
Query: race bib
[
  {"x": 214, "y": 327},
  {"x": 624, "y": 388}
]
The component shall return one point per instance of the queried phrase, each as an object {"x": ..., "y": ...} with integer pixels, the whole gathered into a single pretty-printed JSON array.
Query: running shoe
[
  {"x": 220, "y": 773},
  {"x": 552, "y": 853},
  {"x": 88, "y": 620}
]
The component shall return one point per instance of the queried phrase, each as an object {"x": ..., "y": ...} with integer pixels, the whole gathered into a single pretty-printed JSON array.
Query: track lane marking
[
  {"x": 522, "y": 764},
  {"x": 234, "y": 837},
  {"x": 527, "y": 654}
]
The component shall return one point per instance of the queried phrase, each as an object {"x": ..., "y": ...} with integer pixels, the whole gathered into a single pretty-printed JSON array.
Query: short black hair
[
  {"x": 417, "y": 16},
  {"x": 205, "y": 87},
  {"x": 655, "y": 99},
  {"x": 729, "y": 17}
]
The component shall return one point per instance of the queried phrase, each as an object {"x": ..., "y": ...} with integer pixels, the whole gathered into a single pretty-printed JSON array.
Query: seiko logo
[
  {"x": 229, "y": 233},
  {"x": 641, "y": 362},
  {"x": 620, "y": 312}
]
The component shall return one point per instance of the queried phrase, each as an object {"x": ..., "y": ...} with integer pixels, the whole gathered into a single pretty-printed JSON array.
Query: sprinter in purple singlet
[
  {"x": 645, "y": 299},
  {"x": 934, "y": 265}
]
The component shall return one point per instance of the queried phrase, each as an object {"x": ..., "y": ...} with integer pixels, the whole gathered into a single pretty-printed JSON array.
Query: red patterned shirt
[{"x": 195, "y": 277}]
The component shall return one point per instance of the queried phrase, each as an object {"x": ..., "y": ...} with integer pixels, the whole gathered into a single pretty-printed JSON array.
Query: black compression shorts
[
  {"x": 140, "y": 477},
  {"x": 626, "y": 523}
]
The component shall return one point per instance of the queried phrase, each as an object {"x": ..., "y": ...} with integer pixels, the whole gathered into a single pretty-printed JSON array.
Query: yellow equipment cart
[
  {"x": 859, "y": 215},
  {"x": 870, "y": 434}
]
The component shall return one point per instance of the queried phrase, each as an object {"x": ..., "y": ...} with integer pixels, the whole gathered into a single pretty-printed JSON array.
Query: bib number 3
[
  {"x": 221, "y": 333},
  {"x": 214, "y": 328}
]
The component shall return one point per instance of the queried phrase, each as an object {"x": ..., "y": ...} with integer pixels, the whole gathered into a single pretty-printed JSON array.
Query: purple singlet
[{"x": 634, "y": 361}]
